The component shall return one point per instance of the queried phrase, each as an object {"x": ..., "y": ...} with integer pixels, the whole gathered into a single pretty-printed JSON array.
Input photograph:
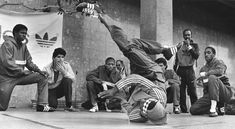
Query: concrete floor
[{"x": 18, "y": 118}]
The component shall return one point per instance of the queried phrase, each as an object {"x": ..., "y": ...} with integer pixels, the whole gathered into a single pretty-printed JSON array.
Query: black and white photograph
[{"x": 117, "y": 64}]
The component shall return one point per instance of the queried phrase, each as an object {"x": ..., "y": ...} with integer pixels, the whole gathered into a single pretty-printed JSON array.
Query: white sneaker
[{"x": 94, "y": 109}]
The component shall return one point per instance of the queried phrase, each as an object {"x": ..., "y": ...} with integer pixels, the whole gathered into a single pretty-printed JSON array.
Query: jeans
[
  {"x": 64, "y": 89},
  {"x": 187, "y": 75},
  {"x": 138, "y": 51},
  {"x": 173, "y": 94},
  {"x": 216, "y": 91},
  {"x": 93, "y": 90},
  {"x": 7, "y": 85}
]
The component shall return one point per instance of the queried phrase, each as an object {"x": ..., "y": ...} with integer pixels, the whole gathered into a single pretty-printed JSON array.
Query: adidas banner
[{"x": 44, "y": 32}]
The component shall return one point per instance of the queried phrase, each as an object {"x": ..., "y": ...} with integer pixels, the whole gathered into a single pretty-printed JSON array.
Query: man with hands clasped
[
  {"x": 217, "y": 90},
  {"x": 60, "y": 80},
  {"x": 100, "y": 79}
]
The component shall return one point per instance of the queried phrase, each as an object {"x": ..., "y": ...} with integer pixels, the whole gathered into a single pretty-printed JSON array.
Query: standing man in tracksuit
[{"x": 186, "y": 56}]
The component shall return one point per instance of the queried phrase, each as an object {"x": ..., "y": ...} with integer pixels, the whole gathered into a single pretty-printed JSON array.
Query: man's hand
[
  {"x": 203, "y": 74},
  {"x": 108, "y": 93},
  {"x": 44, "y": 73},
  {"x": 187, "y": 42},
  {"x": 108, "y": 83},
  {"x": 105, "y": 87},
  {"x": 203, "y": 77},
  {"x": 60, "y": 67}
]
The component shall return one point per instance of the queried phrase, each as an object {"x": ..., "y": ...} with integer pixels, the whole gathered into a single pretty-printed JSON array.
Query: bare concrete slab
[{"x": 29, "y": 119}]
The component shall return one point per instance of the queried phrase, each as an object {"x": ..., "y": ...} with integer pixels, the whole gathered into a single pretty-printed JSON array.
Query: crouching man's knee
[
  {"x": 3, "y": 107},
  {"x": 90, "y": 84},
  {"x": 195, "y": 110},
  {"x": 212, "y": 78}
]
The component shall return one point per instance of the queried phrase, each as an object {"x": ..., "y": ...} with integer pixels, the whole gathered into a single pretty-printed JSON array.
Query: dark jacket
[
  {"x": 101, "y": 74},
  {"x": 218, "y": 68},
  {"x": 185, "y": 57}
]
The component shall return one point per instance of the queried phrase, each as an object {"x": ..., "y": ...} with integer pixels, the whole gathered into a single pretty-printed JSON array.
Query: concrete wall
[
  {"x": 89, "y": 43},
  {"x": 86, "y": 41},
  {"x": 212, "y": 24}
]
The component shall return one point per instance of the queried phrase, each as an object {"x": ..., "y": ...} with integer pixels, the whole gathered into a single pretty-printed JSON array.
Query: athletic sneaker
[
  {"x": 70, "y": 109},
  {"x": 94, "y": 109},
  {"x": 213, "y": 114},
  {"x": 169, "y": 52},
  {"x": 44, "y": 108},
  {"x": 88, "y": 8},
  {"x": 221, "y": 111},
  {"x": 176, "y": 109}
]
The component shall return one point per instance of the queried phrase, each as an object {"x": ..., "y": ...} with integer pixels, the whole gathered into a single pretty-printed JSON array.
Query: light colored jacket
[
  {"x": 14, "y": 58},
  {"x": 68, "y": 74}
]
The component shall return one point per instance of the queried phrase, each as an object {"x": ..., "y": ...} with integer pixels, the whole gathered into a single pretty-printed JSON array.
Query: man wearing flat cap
[{"x": 60, "y": 80}]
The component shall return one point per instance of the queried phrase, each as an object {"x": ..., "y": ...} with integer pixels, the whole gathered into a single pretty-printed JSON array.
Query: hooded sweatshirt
[{"x": 14, "y": 58}]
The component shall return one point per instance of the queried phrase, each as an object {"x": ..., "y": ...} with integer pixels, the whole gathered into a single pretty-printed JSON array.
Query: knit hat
[{"x": 154, "y": 111}]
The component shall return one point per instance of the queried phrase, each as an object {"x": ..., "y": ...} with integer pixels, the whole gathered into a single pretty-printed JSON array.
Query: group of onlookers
[{"x": 143, "y": 93}]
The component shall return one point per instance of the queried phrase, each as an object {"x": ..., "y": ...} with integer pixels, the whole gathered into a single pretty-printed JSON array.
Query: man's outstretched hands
[{"x": 108, "y": 93}]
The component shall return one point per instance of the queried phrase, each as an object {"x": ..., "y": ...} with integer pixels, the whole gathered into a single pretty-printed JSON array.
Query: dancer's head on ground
[{"x": 153, "y": 110}]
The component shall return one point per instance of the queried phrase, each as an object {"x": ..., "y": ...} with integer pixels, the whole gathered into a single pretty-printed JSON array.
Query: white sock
[{"x": 213, "y": 106}]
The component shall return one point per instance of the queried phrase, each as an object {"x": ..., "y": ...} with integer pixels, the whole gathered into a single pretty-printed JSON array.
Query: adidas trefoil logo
[{"x": 45, "y": 41}]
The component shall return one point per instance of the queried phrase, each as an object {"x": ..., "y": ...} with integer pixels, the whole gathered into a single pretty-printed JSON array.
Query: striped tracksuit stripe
[{"x": 137, "y": 79}]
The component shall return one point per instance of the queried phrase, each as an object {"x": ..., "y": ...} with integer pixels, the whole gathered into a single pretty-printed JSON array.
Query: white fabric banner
[{"x": 44, "y": 32}]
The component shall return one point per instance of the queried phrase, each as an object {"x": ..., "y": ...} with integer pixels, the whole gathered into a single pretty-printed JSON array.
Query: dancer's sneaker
[
  {"x": 89, "y": 9},
  {"x": 169, "y": 52}
]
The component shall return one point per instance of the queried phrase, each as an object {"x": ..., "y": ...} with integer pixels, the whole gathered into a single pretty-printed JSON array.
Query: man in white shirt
[{"x": 60, "y": 79}]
